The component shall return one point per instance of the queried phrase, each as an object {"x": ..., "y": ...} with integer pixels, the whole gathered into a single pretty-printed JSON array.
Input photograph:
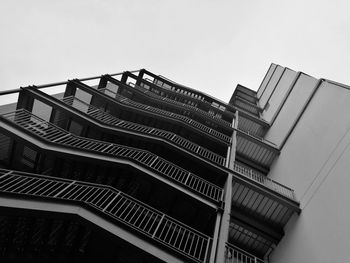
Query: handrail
[
  {"x": 114, "y": 204},
  {"x": 203, "y": 101},
  {"x": 262, "y": 179},
  {"x": 56, "y": 135},
  {"x": 234, "y": 254},
  {"x": 247, "y": 132},
  {"x": 197, "y": 98},
  {"x": 182, "y": 105},
  {"x": 172, "y": 115},
  {"x": 111, "y": 120}
]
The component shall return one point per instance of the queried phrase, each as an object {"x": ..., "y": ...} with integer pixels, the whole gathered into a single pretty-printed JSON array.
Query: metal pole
[{"x": 226, "y": 214}]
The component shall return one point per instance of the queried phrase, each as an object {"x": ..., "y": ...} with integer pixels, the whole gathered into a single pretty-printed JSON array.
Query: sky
[{"x": 204, "y": 44}]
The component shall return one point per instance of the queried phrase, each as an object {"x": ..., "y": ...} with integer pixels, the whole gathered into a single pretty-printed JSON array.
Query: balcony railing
[
  {"x": 252, "y": 116},
  {"x": 182, "y": 105},
  {"x": 114, "y": 204},
  {"x": 168, "y": 114},
  {"x": 234, "y": 254},
  {"x": 267, "y": 182},
  {"x": 56, "y": 135},
  {"x": 189, "y": 97},
  {"x": 208, "y": 105},
  {"x": 109, "y": 119}
]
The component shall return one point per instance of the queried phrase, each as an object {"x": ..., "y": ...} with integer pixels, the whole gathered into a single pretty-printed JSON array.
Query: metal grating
[
  {"x": 54, "y": 134},
  {"x": 184, "y": 119},
  {"x": 115, "y": 204},
  {"x": 110, "y": 120},
  {"x": 193, "y": 109}
]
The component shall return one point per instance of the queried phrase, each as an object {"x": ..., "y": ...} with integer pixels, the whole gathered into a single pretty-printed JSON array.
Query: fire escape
[{"x": 137, "y": 168}]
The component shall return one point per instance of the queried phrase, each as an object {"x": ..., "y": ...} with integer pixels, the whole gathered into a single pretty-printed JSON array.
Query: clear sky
[{"x": 207, "y": 45}]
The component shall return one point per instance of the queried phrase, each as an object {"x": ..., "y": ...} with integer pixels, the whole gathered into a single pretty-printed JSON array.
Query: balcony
[
  {"x": 245, "y": 90},
  {"x": 252, "y": 125},
  {"x": 209, "y": 117},
  {"x": 166, "y": 88},
  {"x": 260, "y": 210},
  {"x": 105, "y": 121},
  {"x": 246, "y": 106},
  {"x": 169, "y": 84},
  {"x": 245, "y": 96},
  {"x": 112, "y": 204},
  {"x": 110, "y": 120},
  {"x": 185, "y": 120},
  {"x": 166, "y": 101},
  {"x": 104, "y": 96},
  {"x": 255, "y": 149},
  {"x": 249, "y": 238},
  {"x": 234, "y": 254},
  {"x": 265, "y": 181},
  {"x": 42, "y": 130}
]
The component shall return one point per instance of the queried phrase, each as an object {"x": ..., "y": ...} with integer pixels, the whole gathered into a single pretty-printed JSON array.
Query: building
[{"x": 134, "y": 167}]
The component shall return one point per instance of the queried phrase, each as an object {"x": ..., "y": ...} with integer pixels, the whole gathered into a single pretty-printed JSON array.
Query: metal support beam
[{"x": 226, "y": 213}]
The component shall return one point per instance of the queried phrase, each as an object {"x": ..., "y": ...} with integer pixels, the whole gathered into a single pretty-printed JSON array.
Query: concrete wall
[
  {"x": 300, "y": 92},
  {"x": 315, "y": 162},
  {"x": 279, "y": 94},
  {"x": 266, "y": 80},
  {"x": 270, "y": 86}
]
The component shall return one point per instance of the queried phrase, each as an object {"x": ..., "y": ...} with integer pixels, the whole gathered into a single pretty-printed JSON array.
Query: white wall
[
  {"x": 270, "y": 86},
  {"x": 279, "y": 94},
  {"x": 289, "y": 112},
  {"x": 266, "y": 80},
  {"x": 315, "y": 161}
]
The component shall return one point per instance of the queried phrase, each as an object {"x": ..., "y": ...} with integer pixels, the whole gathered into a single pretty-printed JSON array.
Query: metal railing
[
  {"x": 116, "y": 205},
  {"x": 109, "y": 119},
  {"x": 181, "y": 95},
  {"x": 168, "y": 114},
  {"x": 247, "y": 111},
  {"x": 176, "y": 89},
  {"x": 56, "y": 135},
  {"x": 250, "y": 111},
  {"x": 262, "y": 179},
  {"x": 182, "y": 105},
  {"x": 234, "y": 254}
]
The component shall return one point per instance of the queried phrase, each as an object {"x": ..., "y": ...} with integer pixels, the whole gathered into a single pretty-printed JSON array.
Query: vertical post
[
  {"x": 226, "y": 211},
  {"x": 215, "y": 238},
  {"x": 159, "y": 223}
]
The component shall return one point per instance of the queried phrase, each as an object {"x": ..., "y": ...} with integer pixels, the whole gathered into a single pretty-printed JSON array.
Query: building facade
[{"x": 134, "y": 167}]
